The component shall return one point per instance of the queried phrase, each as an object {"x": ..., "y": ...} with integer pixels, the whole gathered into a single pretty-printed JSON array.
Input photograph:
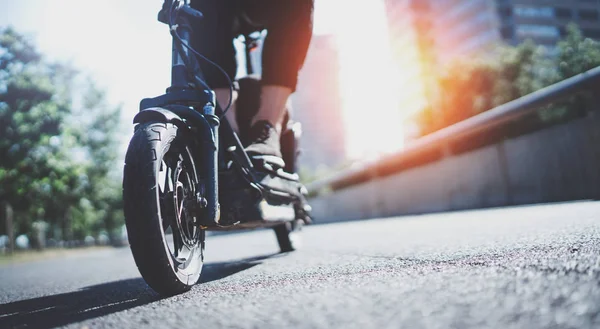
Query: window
[
  {"x": 479, "y": 40},
  {"x": 530, "y": 11},
  {"x": 471, "y": 25},
  {"x": 563, "y": 13},
  {"x": 465, "y": 6},
  {"x": 588, "y": 14},
  {"x": 507, "y": 32},
  {"x": 505, "y": 12},
  {"x": 531, "y": 30},
  {"x": 592, "y": 33}
]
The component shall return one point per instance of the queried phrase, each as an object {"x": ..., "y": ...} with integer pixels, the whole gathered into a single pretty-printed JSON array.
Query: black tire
[
  {"x": 288, "y": 235},
  {"x": 159, "y": 174}
]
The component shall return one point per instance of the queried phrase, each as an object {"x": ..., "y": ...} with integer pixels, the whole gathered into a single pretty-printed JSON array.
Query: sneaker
[{"x": 264, "y": 140}]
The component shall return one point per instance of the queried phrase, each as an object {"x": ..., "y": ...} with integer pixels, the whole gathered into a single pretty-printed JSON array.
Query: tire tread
[{"x": 144, "y": 228}]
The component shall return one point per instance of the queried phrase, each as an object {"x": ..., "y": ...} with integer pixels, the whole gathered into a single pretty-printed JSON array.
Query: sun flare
[{"x": 372, "y": 84}]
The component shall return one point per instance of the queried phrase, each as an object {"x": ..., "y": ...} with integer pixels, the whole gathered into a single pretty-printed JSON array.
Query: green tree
[
  {"x": 469, "y": 88},
  {"x": 576, "y": 54},
  {"x": 58, "y": 143},
  {"x": 100, "y": 129},
  {"x": 30, "y": 116}
]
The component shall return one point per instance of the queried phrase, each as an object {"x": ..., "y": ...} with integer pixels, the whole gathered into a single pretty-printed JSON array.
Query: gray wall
[{"x": 560, "y": 163}]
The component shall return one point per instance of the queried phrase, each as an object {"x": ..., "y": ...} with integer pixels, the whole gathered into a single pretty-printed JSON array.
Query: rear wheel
[{"x": 160, "y": 185}]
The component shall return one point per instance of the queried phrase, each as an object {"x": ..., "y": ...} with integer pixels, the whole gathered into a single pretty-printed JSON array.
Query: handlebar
[{"x": 181, "y": 7}]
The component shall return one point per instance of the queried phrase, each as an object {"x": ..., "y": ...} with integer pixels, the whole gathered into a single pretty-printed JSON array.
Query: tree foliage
[
  {"x": 467, "y": 88},
  {"x": 58, "y": 144}
]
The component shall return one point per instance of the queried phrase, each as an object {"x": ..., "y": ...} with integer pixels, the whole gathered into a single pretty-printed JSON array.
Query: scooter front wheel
[{"x": 159, "y": 180}]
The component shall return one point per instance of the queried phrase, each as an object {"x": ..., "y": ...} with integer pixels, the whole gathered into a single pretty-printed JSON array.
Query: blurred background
[{"x": 379, "y": 75}]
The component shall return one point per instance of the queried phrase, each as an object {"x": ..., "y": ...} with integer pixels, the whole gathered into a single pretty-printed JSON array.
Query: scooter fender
[
  {"x": 208, "y": 125},
  {"x": 157, "y": 114}
]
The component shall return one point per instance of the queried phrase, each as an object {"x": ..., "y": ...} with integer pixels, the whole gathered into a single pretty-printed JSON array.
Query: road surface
[{"x": 522, "y": 267}]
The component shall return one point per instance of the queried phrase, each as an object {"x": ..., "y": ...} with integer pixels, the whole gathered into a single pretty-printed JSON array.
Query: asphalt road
[{"x": 524, "y": 267}]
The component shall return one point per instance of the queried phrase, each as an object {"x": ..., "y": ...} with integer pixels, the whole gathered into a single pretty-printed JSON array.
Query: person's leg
[
  {"x": 223, "y": 95},
  {"x": 213, "y": 38},
  {"x": 289, "y": 26}
]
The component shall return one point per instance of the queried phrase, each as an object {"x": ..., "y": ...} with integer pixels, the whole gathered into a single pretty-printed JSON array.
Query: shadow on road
[
  {"x": 90, "y": 302},
  {"x": 100, "y": 300}
]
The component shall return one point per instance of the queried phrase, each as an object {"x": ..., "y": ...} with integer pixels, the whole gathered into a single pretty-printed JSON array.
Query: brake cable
[{"x": 173, "y": 30}]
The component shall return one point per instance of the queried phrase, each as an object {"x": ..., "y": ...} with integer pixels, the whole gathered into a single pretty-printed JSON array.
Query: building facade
[
  {"x": 433, "y": 33},
  {"x": 455, "y": 28},
  {"x": 425, "y": 35},
  {"x": 317, "y": 106},
  {"x": 545, "y": 21},
  {"x": 445, "y": 29},
  {"x": 464, "y": 27}
]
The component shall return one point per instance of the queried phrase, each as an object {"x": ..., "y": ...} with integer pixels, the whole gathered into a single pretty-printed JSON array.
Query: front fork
[
  {"x": 194, "y": 108},
  {"x": 210, "y": 154},
  {"x": 190, "y": 107}
]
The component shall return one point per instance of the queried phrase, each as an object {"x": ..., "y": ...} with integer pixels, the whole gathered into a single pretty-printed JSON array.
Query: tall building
[
  {"x": 464, "y": 27},
  {"x": 444, "y": 29},
  {"x": 426, "y": 34},
  {"x": 458, "y": 28},
  {"x": 317, "y": 106},
  {"x": 431, "y": 33},
  {"x": 545, "y": 21}
]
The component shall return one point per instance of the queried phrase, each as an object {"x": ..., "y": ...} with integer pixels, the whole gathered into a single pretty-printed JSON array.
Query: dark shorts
[{"x": 289, "y": 30}]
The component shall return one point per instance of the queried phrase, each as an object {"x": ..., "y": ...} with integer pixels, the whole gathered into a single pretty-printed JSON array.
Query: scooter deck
[{"x": 263, "y": 216}]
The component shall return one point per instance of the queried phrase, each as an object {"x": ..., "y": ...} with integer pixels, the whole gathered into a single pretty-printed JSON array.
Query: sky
[
  {"x": 114, "y": 41},
  {"x": 127, "y": 51}
]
